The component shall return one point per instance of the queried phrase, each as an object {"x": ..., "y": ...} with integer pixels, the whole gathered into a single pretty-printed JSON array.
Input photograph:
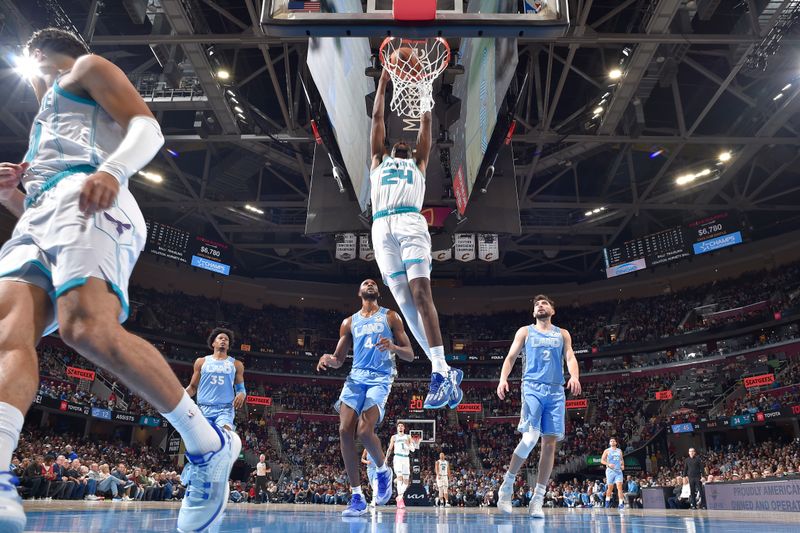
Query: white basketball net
[{"x": 412, "y": 78}]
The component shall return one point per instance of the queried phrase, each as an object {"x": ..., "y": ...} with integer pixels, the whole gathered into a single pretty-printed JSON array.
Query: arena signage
[
  {"x": 80, "y": 373},
  {"x": 97, "y": 412},
  {"x": 782, "y": 495},
  {"x": 577, "y": 404},
  {"x": 664, "y": 395},
  {"x": 149, "y": 421},
  {"x": 259, "y": 400},
  {"x": 124, "y": 417},
  {"x": 687, "y": 427},
  {"x": 741, "y": 420},
  {"x": 73, "y": 408},
  {"x": 759, "y": 381},
  {"x": 469, "y": 408}
]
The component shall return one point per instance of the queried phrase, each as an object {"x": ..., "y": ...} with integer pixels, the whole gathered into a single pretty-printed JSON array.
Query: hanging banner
[
  {"x": 443, "y": 255},
  {"x": 365, "y": 252},
  {"x": 465, "y": 247},
  {"x": 345, "y": 246},
  {"x": 80, "y": 373},
  {"x": 488, "y": 248},
  {"x": 759, "y": 381}
]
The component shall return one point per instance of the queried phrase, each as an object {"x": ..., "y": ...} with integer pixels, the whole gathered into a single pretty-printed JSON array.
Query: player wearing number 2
[
  {"x": 402, "y": 243},
  {"x": 218, "y": 380},
  {"x": 543, "y": 401}
]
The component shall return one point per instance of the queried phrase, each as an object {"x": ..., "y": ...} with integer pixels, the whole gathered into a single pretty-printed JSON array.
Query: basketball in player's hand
[{"x": 405, "y": 63}]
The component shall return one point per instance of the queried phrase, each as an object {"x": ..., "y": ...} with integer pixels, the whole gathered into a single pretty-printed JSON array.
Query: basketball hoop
[{"x": 413, "y": 65}]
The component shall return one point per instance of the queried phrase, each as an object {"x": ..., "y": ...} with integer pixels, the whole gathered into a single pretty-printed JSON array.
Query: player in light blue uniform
[
  {"x": 218, "y": 380},
  {"x": 614, "y": 461},
  {"x": 377, "y": 335},
  {"x": 543, "y": 401}
]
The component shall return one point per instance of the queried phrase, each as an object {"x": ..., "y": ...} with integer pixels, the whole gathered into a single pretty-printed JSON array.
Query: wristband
[{"x": 239, "y": 389}]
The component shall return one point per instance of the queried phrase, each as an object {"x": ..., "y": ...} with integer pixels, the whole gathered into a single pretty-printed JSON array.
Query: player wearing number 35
[
  {"x": 218, "y": 380},
  {"x": 376, "y": 334}
]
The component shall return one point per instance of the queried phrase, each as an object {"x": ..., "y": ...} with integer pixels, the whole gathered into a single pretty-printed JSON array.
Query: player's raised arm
[
  {"x": 402, "y": 344},
  {"x": 424, "y": 140},
  {"x": 336, "y": 359},
  {"x": 508, "y": 364},
  {"x": 191, "y": 390},
  {"x": 378, "y": 133},
  {"x": 574, "y": 384}
]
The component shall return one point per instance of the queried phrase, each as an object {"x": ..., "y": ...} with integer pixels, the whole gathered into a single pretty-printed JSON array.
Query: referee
[
  {"x": 693, "y": 469},
  {"x": 261, "y": 479}
]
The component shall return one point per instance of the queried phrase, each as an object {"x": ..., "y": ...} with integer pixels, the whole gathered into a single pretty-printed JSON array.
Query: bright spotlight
[
  {"x": 26, "y": 66},
  {"x": 724, "y": 156},
  {"x": 587, "y": 214},
  {"x": 238, "y": 109},
  {"x": 615, "y": 74},
  {"x": 598, "y": 110},
  {"x": 223, "y": 74},
  {"x": 683, "y": 180},
  {"x": 151, "y": 176}
]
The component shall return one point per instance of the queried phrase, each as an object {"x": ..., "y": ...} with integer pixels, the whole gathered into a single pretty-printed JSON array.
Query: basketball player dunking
[
  {"x": 403, "y": 245},
  {"x": 614, "y": 461},
  {"x": 376, "y": 334},
  {"x": 218, "y": 380},
  {"x": 543, "y": 401},
  {"x": 402, "y": 445},
  {"x": 443, "y": 479},
  {"x": 67, "y": 264}
]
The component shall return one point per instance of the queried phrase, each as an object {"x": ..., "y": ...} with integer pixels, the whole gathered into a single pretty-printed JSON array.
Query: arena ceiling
[{"x": 701, "y": 78}]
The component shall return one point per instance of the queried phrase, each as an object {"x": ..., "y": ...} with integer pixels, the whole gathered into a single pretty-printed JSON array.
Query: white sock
[
  {"x": 608, "y": 498},
  {"x": 356, "y": 490},
  {"x": 195, "y": 429},
  {"x": 539, "y": 491},
  {"x": 438, "y": 364},
  {"x": 11, "y": 420},
  {"x": 402, "y": 295}
]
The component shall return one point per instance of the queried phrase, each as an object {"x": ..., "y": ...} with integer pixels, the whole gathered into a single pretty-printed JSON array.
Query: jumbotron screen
[
  {"x": 694, "y": 238},
  {"x": 180, "y": 245}
]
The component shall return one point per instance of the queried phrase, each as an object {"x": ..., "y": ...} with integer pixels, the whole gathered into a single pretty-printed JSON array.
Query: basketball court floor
[{"x": 136, "y": 517}]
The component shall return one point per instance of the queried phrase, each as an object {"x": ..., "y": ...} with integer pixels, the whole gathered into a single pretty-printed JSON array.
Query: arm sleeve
[{"x": 140, "y": 144}]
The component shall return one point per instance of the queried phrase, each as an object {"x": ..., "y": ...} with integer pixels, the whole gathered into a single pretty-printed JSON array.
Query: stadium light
[
  {"x": 777, "y": 97},
  {"x": 151, "y": 176},
  {"x": 598, "y": 110},
  {"x": 615, "y": 74},
  {"x": 238, "y": 109},
  {"x": 724, "y": 157},
  {"x": 786, "y": 87},
  {"x": 26, "y": 66},
  {"x": 253, "y": 209},
  {"x": 686, "y": 178},
  {"x": 223, "y": 74}
]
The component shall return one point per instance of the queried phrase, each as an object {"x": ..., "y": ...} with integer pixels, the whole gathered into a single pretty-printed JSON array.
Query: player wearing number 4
[
  {"x": 543, "y": 401},
  {"x": 218, "y": 380},
  {"x": 402, "y": 243},
  {"x": 376, "y": 334}
]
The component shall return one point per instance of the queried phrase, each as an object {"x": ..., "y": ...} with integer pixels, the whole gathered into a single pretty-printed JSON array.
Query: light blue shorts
[
  {"x": 219, "y": 415},
  {"x": 614, "y": 476},
  {"x": 364, "y": 390},
  {"x": 543, "y": 409}
]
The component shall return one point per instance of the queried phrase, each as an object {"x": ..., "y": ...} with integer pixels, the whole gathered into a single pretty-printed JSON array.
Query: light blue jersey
[
  {"x": 366, "y": 332},
  {"x": 216, "y": 381},
  {"x": 614, "y": 458},
  {"x": 544, "y": 356}
]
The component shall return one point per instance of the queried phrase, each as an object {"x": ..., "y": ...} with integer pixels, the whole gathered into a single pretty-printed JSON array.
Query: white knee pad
[{"x": 527, "y": 444}]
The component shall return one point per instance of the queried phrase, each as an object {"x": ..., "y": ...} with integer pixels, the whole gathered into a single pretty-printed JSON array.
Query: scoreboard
[
  {"x": 180, "y": 245},
  {"x": 696, "y": 237}
]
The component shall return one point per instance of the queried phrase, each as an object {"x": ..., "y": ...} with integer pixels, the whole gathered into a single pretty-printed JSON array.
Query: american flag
[{"x": 305, "y": 6}]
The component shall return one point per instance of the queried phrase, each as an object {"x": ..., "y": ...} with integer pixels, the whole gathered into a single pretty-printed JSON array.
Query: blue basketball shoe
[
  {"x": 456, "y": 376},
  {"x": 206, "y": 479},
  {"x": 357, "y": 506},
  {"x": 12, "y": 515},
  {"x": 384, "y": 483},
  {"x": 439, "y": 392}
]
